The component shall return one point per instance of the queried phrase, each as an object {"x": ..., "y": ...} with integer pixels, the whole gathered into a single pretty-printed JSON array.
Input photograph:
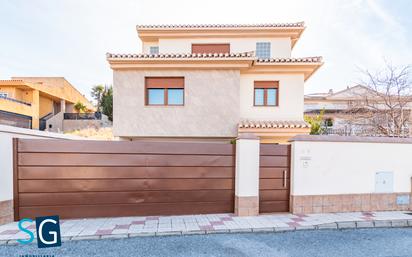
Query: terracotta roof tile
[
  {"x": 183, "y": 26},
  {"x": 293, "y": 60},
  {"x": 272, "y": 124},
  {"x": 182, "y": 56},
  {"x": 249, "y": 55}
]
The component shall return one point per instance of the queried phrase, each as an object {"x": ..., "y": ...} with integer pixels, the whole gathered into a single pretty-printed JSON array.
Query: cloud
[
  {"x": 70, "y": 37},
  {"x": 381, "y": 13}
]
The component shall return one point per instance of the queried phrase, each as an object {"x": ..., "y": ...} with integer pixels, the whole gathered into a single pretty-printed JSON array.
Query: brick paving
[{"x": 122, "y": 227}]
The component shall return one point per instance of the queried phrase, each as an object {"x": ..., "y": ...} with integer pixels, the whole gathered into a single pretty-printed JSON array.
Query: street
[{"x": 361, "y": 242}]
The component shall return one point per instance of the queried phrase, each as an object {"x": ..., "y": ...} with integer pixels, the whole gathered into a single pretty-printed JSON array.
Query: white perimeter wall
[
  {"x": 7, "y": 133},
  {"x": 320, "y": 168}
]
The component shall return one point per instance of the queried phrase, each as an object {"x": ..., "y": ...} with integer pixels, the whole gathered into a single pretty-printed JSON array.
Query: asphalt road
[{"x": 361, "y": 242}]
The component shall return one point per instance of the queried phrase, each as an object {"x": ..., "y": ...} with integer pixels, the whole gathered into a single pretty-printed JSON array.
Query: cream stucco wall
[
  {"x": 280, "y": 47},
  {"x": 46, "y": 106},
  {"x": 211, "y": 105},
  {"x": 11, "y": 91},
  {"x": 247, "y": 167},
  {"x": 58, "y": 87},
  {"x": 329, "y": 168},
  {"x": 291, "y": 91}
]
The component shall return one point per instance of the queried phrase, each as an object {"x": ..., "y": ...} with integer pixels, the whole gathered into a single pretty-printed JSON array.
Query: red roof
[
  {"x": 206, "y": 26},
  {"x": 248, "y": 55},
  {"x": 273, "y": 124},
  {"x": 187, "y": 55}
]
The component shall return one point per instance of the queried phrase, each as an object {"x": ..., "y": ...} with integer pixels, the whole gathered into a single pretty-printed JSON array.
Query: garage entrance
[{"x": 79, "y": 179}]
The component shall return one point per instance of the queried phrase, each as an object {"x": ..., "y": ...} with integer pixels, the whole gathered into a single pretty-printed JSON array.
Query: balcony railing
[
  {"x": 14, "y": 100},
  {"x": 83, "y": 116},
  {"x": 358, "y": 132}
]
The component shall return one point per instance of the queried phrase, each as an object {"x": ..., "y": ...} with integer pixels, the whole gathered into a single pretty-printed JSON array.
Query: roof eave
[
  {"x": 153, "y": 34},
  {"x": 180, "y": 63},
  {"x": 305, "y": 68}
]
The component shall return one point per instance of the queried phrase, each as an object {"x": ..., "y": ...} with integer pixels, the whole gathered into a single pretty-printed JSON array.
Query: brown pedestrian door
[
  {"x": 79, "y": 179},
  {"x": 274, "y": 182}
]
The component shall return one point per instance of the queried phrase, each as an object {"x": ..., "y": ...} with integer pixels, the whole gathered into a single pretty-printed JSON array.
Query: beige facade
[
  {"x": 211, "y": 106},
  {"x": 219, "y": 88}
]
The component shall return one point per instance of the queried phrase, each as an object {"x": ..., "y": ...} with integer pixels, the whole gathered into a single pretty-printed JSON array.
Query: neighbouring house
[
  {"x": 212, "y": 82},
  {"x": 44, "y": 103},
  {"x": 347, "y": 113}
]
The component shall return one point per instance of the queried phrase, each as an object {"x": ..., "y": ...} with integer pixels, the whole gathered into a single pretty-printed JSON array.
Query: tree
[
  {"x": 388, "y": 100},
  {"x": 315, "y": 122},
  {"x": 97, "y": 94},
  {"x": 80, "y": 107},
  {"x": 107, "y": 102}
]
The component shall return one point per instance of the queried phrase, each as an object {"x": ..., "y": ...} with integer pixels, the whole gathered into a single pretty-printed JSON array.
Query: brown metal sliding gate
[
  {"x": 77, "y": 179},
  {"x": 274, "y": 182}
]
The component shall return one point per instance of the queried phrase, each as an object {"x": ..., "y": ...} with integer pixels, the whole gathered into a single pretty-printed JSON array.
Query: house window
[
  {"x": 4, "y": 95},
  {"x": 266, "y": 93},
  {"x": 210, "y": 48},
  {"x": 263, "y": 50},
  {"x": 154, "y": 50},
  {"x": 164, "y": 90}
]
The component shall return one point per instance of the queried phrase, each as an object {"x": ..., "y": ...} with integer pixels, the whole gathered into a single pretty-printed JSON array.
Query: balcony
[
  {"x": 12, "y": 105},
  {"x": 14, "y": 100},
  {"x": 82, "y": 116}
]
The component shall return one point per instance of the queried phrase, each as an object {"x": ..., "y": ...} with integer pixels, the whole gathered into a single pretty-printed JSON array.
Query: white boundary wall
[
  {"x": 330, "y": 165},
  {"x": 7, "y": 133}
]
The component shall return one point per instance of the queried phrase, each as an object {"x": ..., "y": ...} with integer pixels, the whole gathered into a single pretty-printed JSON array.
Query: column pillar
[
  {"x": 63, "y": 105},
  {"x": 35, "y": 105},
  {"x": 247, "y": 175}
]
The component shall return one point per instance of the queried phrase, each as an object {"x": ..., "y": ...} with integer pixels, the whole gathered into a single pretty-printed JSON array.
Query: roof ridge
[
  {"x": 292, "y": 59},
  {"x": 249, "y": 54},
  {"x": 181, "y": 55},
  {"x": 11, "y": 80},
  {"x": 173, "y": 26},
  {"x": 247, "y": 123}
]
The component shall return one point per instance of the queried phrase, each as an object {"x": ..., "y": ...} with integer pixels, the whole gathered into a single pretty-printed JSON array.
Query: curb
[{"x": 342, "y": 225}]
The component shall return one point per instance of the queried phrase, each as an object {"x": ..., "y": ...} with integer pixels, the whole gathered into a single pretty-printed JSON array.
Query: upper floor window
[
  {"x": 154, "y": 50},
  {"x": 164, "y": 90},
  {"x": 266, "y": 93},
  {"x": 210, "y": 48},
  {"x": 263, "y": 50},
  {"x": 4, "y": 95}
]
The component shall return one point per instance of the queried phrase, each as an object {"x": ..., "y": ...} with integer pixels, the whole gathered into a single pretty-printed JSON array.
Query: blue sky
[{"x": 70, "y": 38}]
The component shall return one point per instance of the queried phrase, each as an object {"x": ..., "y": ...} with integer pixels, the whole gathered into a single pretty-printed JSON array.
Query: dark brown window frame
[
  {"x": 209, "y": 44},
  {"x": 265, "y": 85},
  {"x": 165, "y": 88}
]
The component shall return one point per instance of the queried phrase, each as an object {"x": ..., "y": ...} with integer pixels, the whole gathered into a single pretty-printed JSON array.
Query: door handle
[{"x": 285, "y": 174}]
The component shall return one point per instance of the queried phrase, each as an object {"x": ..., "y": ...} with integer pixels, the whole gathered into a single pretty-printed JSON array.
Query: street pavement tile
[{"x": 186, "y": 224}]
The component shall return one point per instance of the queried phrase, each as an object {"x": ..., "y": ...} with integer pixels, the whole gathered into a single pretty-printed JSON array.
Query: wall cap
[
  {"x": 248, "y": 136},
  {"x": 350, "y": 139},
  {"x": 37, "y": 133}
]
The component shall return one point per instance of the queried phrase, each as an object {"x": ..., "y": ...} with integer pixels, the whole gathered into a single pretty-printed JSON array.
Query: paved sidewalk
[{"x": 100, "y": 228}]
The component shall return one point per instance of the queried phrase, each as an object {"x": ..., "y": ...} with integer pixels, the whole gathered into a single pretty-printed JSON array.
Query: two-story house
[
  {"x": 212, "y": 82},
  {"x": 360, "y": 110},
  {"x": 45, "y": 103}
]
